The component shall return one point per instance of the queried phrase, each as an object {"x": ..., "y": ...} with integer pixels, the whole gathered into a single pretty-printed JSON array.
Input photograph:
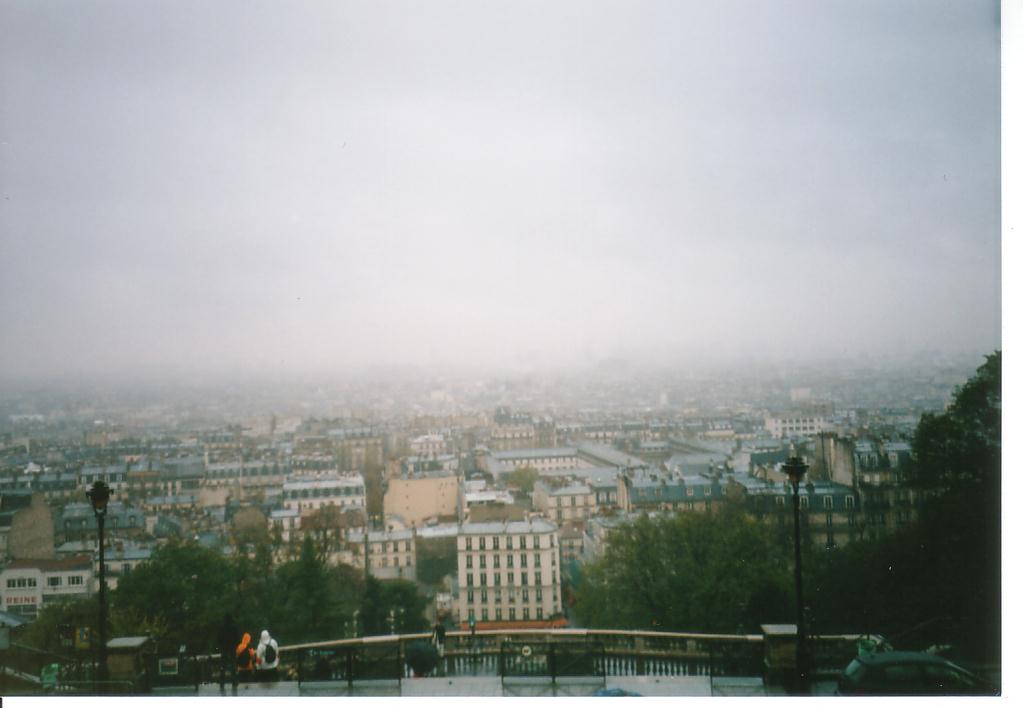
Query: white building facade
[
  {"x": 307, "y": 495},
  {"x": 508, "y": 571},
  {"x": 29, "y": 585}
]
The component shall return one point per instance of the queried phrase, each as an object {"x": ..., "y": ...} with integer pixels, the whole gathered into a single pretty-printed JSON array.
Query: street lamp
[
  {"x": 795, "y": 468},
  {"x": 99, "y": 495}
]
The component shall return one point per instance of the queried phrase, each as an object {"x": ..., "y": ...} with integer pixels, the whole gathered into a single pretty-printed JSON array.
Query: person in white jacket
[{"x": 267, "y": 656}]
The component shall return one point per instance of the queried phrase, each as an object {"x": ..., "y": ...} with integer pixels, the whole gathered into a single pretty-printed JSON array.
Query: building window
[
  {"x": 536, "y": 559},
  {"x": 525, "y": 613},
  {"x": 522, "y": 541},
  {"x": 511, "y": 578},
  {"x": 829, "y": 502},
  {"x": 536, "y": 541},
  {"x": 525, "y": 578},
  {"x": 483, "y": 578},
  {"x": 539, "y": 594},
  {"x": 511, "y": 559},
  {"x": 485, "y": 614},
  {"x": 483, "y": 595},
  {"x": 496, "y": 542},
  {"x": 849, "y": 502},
  {"x": 511, "y": 614},
  {"x": 522, "y": 558},
  {"x": 497, "y": 614},
  {"x": 483, "y": 561},
  {"x": 74, "y": 580},
  {"x": 508, "y": 542},
  {"x": 54, "y": 581},
  {"x": 536, "y": 577},
  {"x": 468, "y": 580},
  {"x": 497, "y": 560},
  {"x": 468, "y": 560}
]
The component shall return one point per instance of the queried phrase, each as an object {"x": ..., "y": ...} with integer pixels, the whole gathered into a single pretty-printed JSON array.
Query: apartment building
[
  {"x": 508, "y": 571},
  {"x": 306, "y": 495},
  {"x": 543, "y": 460},
  {"x": 786, "y": 425},
  {"x": 29, "y": 585},
  {"x": 430, "y": 445},
  {"x": 392, "y": 554},
  {"x": 563, "y": 500}
]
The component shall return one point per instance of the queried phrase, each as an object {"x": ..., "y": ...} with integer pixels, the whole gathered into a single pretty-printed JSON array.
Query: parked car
[{"x": 909, "y": 673}]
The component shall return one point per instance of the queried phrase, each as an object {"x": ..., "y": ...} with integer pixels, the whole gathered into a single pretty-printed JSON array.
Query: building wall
[
  {"x": 27, "y": 589},
  {"x": 31, "y": 534},
  {"x": 794, "y": 424},
  {"x": 501, "y": 583},
  {"x": 344, "y": 493},
  {"x": 392, "y": 554},
  {"x": 417, "y": 500},
  {"x": 559, "y": 506},
  {"x": 834, "y": 459}
]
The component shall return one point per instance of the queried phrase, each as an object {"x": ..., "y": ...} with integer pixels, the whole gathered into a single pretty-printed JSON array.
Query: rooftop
[{"x": 497, "y": 527}]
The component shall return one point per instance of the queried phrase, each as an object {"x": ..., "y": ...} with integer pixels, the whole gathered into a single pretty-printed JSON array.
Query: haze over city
[{"x": 269, "y": 189}]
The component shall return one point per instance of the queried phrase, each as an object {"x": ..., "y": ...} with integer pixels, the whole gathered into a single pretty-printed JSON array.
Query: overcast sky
[{"x": 303, "y": 186}]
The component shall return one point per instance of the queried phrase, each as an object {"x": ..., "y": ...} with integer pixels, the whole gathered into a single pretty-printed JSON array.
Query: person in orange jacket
[{"x": 244, "y": 656}]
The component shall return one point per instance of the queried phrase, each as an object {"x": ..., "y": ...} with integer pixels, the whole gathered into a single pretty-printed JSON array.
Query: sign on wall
[
  {"x": 167, "y": 666},
  {"x": 83, "y": 638}
]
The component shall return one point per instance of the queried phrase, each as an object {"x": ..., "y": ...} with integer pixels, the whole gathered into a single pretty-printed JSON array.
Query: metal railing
[{"x": 515, "y": 653}]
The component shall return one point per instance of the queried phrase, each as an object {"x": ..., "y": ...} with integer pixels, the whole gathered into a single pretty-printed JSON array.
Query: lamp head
[
  {"x": 99, "y": 495},
  {"x": 795, "y": 468}
]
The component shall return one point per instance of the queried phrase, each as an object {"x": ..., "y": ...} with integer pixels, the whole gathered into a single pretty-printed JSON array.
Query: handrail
[{"x": 567, "y": 633}]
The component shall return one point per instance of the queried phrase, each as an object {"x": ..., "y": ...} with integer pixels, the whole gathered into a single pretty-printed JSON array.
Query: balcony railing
[{"x": 508, "y": 654}]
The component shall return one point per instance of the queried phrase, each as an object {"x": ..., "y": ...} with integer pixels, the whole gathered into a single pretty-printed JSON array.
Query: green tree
[
  {"x": 435, "y": 559},
  {"x": 711, "y": 572},
  {"x": 372, "y": 475},
  {"x": 306, "y": 609},
  {"x": 382, "y": 597},
  {"x": 523, "y": 478},
  {"x": 938, "y": 580},
  {"x": 962, "y": 447},
  {"x": 183, "y": 589},
  {"x": 42, "y": 633}
]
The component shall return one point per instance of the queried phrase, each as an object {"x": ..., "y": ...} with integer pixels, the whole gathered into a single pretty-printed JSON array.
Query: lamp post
[
  {"x": 795, "y": 468},
  {"x": 99, "y": 495}
]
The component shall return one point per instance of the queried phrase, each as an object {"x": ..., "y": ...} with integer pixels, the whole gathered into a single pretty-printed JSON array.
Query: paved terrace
[{"x": 492, "y": 686}]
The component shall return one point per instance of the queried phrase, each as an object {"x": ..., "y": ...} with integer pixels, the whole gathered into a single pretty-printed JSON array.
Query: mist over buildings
[{"x": 308, "y": 189}]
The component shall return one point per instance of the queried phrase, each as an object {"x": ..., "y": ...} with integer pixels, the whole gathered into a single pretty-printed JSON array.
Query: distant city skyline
[{"x": 301, "y": 190}]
